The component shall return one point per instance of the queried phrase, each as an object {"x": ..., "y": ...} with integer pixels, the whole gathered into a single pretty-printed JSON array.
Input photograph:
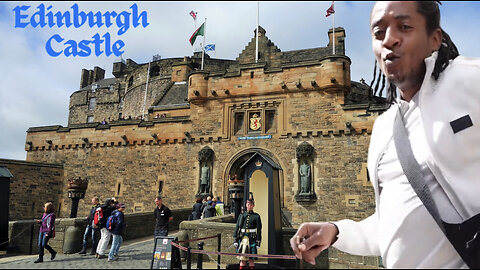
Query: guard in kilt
[{"x": 248, "y": 234}]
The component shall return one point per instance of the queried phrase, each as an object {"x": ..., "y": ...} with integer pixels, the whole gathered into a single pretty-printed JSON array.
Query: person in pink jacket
[{"x": 47, "y": 231}]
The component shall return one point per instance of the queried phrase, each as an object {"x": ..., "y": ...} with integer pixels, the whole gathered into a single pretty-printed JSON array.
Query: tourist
[
  {"x": 47, "y": 231},
  {"x": 107, "y": 210},
  {"x": 117, "y": 231},
  {"x": 90, "y": 230},
  {"x": 163, "y": 215},
  {"x": 197, "y": 209}
]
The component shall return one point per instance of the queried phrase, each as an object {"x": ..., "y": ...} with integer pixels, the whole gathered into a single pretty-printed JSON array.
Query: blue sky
[{"x": 35, "y": 87}]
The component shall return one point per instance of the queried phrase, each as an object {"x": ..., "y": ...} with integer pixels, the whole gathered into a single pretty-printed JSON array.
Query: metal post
[
  {"x": 299, "y": 264},
  {"x": 189, "y": 258},
  {"x": 219, "y": 238},
  {"x": 73, "y": 211},
  {"x": 200, "y": 256}
]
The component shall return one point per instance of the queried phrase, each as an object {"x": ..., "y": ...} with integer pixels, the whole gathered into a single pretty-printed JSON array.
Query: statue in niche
[
  {"x": 205, "y": 179},
  {"x": 305, "y": 178}
]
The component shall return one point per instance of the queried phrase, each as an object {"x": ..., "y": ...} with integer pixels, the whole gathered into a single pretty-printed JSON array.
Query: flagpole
[
  {"x": 256, "y": 46},
  {"x": 146, "y": 89},
  {"x": 204, "y": 34},
  {"x": 333, "y": 37}
]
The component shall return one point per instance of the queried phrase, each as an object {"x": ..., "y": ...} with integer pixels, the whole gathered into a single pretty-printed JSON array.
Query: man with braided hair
[
  {"x": 439, "y": 105},
  {"x": 248, "y": 234}
]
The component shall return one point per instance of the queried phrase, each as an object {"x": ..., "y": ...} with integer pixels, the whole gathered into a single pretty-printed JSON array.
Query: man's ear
[{"x": 436, "y": 39}]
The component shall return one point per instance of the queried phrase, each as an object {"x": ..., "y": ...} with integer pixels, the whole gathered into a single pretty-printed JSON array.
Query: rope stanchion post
[
  {"x": 189, "y": 258},
  {"x": 299, "y": 264},
  {"x": 200, "y": 252},
  {"x": 200, "y": 256},
  {"x": 219, "y": 249}
]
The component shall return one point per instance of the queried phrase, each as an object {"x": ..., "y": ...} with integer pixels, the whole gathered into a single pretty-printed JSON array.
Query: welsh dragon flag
[{"x": 198, "y": 32}]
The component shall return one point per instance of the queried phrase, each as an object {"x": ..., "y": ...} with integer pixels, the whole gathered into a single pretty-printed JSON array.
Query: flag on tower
[
  {"x": 210, "y": 47},
  {"x": 193, "y": 14},
  {"x": 198, "y": 32},
  {"x": 330, "y": 10}
]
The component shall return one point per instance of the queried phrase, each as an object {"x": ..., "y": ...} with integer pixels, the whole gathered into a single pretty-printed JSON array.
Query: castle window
[
  {"x": 270, "y": 121},
  {"x": 89, "y": 119},
  {"x": 154, "y": 71},
  {"x": 130, "y": 81},
  {"x": 160, "y": 187},
  {"x": 251, "y": 75},
  {"x": 92, "y": 103},
  {"x": 239, "y": 123}
]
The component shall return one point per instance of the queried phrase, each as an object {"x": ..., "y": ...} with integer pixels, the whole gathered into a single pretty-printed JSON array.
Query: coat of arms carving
[{"x": 255, "y": 122}]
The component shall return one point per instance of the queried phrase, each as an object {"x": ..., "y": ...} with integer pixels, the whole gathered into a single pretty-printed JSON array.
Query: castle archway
[{"x": 233, "y": 168}]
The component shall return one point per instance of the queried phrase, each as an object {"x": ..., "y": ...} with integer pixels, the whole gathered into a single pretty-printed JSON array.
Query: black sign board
[{"x": 165, "y": 256}]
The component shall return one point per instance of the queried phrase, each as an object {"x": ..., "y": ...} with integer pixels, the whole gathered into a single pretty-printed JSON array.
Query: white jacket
[{"x": 457, "y": 155}]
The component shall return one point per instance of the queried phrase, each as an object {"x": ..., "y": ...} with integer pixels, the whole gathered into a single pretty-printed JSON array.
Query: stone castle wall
[
  {"x": 132, "y": 167},
  {"x": 33, "y": 184}
]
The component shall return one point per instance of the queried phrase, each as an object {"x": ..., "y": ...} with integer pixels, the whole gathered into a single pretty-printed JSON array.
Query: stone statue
[
  {"x": 205, "y": 179},
  {"x": 305, "y": 178}
]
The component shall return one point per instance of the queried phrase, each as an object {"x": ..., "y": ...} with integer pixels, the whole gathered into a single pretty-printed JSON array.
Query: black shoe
[
  {"x": 53, "y": 255},
  {"x": 83, "y": 251},
  {"x": 93, "y": 252},
  {"x": 39, "y": 260},
  {"x": 102, "y": 256}
]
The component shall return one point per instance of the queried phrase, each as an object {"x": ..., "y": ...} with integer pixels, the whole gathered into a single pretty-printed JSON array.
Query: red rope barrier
[{"x": 286, "y": 257}]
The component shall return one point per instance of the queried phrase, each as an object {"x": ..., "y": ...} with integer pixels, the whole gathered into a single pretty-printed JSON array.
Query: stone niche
[{"x": 305, "y": 157}]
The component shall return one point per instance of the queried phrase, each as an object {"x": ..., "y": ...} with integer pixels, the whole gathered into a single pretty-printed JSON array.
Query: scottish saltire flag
[{"x": 210, "y": 47}]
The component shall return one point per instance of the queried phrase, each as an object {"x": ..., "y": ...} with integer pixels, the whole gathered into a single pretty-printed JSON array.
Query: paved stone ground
[{"x": 134, "y": 254}]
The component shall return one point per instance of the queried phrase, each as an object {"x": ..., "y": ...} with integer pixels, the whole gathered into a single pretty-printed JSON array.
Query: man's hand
[
  {"x": 235, "y": 244},
  {"x": 311, "y": 239}
]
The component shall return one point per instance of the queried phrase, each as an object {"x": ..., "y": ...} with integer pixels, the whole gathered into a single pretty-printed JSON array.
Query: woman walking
[{"x": 47, "y": 231}]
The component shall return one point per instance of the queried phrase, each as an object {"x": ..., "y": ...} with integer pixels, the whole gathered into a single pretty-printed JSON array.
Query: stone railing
[
  {"x": 329, "y": 258},
  {"x": 23, "y": 234}
]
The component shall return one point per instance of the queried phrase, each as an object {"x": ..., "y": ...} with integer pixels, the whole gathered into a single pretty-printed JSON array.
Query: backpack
[
  {"x": 98, "y": 216},
  {"x": 111, "y": 222}
]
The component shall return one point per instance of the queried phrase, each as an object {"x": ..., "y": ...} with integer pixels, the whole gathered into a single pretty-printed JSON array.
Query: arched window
[{"x": 130, "y": 81}]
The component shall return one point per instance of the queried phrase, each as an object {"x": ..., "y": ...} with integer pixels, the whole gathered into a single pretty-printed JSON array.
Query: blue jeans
[
  {"x": 43, "y": 243},
  {"x": 90, "y": 230},
  {"x": 116, "y": 242}
]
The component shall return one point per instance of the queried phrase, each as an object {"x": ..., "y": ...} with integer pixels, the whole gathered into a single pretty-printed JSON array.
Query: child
[
  {"x": 117, "y": 232},
  {"x": 47, "y": 231}
]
